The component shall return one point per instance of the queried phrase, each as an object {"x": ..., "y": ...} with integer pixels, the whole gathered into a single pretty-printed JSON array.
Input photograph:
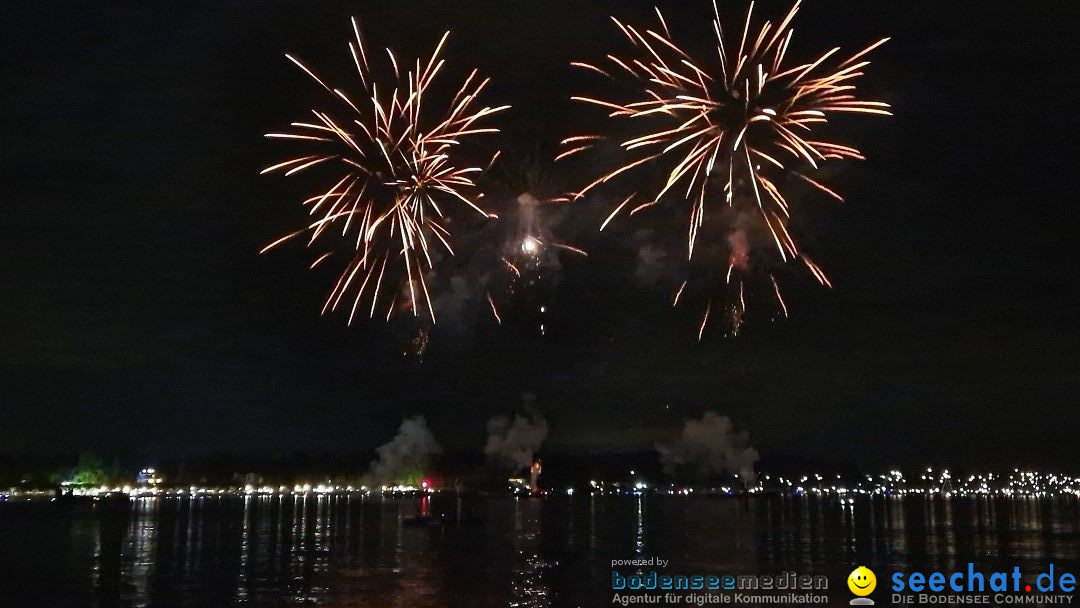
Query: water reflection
[
  {"x": 451, "y": 550},
  {"x": 528, "y": 586}
]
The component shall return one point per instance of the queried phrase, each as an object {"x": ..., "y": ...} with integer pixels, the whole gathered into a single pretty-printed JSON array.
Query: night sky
[{"x": 137, "y": 314}]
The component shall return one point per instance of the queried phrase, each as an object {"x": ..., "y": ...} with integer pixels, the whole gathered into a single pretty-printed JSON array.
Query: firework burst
[
  {"x": 529, "y": 255},
  {"x": 399, "y": 177},
  {"x": 727, "y": 130}
]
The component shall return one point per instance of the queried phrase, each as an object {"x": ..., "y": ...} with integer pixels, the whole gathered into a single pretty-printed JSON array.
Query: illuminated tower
[{"x": 534, "y": 475}]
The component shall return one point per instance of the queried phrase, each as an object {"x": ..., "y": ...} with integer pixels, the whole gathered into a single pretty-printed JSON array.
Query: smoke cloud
[
  {"x": 406, "y": 454},
  {"x": 711, "y": 446},
  {"x": 513, "y": 253},
  {"x": 739, "y": 258},
  {"x": 513, "y": 444}
]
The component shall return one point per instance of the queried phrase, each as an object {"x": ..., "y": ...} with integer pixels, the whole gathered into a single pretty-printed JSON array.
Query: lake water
[{"x": 366, "y": 551}]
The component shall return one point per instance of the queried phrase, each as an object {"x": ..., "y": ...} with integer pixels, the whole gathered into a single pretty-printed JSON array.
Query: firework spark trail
[
  {"x": 727, "y": 128},
  {"x": 400, "y": 176},
  {"x": 494, "y": 309}
]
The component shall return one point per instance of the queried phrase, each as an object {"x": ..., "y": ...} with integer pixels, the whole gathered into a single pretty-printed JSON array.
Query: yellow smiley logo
[{"x": 862, "y": 581}]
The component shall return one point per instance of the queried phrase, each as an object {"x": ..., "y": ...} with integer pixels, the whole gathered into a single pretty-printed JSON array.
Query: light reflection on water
[{"x": 373, "y": 551}]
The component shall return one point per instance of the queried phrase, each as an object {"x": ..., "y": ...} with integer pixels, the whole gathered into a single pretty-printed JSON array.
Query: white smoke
[
  {"x": 513, "y": 444},
  {"x": 455, "y": 300},
  {"x": 712, "y": 446},
  {"x": 654, "y": 265},
  {"x": 406, "y": 454}
]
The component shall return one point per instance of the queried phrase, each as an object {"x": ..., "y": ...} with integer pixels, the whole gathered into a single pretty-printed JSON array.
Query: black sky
[{"x": 136, "y": 314}]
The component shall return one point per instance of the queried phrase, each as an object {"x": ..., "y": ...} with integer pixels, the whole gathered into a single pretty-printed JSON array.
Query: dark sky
[{"x": 137, "y": 315}]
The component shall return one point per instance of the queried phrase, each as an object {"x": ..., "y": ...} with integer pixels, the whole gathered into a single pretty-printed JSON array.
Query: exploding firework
[
  {"x": 529, "y": 255},
  {"x": 399, "y": 177},
  {"x": 726, "y": 132}
]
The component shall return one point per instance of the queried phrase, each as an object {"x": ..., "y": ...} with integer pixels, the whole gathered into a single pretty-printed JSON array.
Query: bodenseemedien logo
[{"x": 658, "y": 587}]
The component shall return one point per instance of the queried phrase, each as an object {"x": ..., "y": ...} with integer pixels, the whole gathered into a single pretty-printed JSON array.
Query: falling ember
[
  {"x": 494, "y": 309},
  {"x": 678, "y": 294},
  {"x": 704, "y": 322},
  {"x": 727, "y": 129},
  {"x": 736, "y": 319},
  {"x": 418, "y": 344},
  {"x": 398, "y": 178},
  {"x": 571, "y": 249},
  {"x": 779, "y": 296}
]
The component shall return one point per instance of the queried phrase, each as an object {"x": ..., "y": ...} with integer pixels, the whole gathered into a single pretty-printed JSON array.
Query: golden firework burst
[{"x": 399, "y": 174}]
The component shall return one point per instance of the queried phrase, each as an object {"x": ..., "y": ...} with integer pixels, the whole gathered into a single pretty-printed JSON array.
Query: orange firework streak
[
  {"x": 399, "y": 172},
  {"x": 730, "y": 126}
]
